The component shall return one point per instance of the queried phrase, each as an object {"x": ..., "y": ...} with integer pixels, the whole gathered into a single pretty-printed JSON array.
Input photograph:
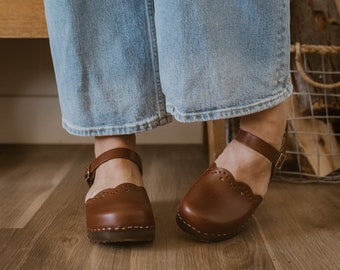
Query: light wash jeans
[{"x": 125, "y": 66}]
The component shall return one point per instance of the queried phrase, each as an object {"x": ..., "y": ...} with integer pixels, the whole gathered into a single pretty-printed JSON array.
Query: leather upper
[
  {"x": 123, "y": 207},
  {"x": 217, "y": 206},
  {"x": 119, "y": 214}
]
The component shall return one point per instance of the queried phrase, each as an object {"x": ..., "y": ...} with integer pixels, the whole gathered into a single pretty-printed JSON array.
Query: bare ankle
[
  {"x": 116, "y": 171},
  {"x": 104, "y": 143},
  {"x": 269, "y": 125}
]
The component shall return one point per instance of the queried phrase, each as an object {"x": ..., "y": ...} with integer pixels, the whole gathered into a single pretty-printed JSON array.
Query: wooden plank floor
[{"x": 42, "y": 217}]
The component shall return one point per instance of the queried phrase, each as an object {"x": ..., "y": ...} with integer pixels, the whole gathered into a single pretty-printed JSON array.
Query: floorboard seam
[{"x": 269, "y": 249}]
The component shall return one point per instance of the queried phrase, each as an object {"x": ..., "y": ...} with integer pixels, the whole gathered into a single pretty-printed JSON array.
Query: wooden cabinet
[{"x": 22, "y": 19}]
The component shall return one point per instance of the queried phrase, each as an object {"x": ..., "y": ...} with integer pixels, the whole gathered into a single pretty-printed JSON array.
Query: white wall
[{"x": 29, "y": 108}]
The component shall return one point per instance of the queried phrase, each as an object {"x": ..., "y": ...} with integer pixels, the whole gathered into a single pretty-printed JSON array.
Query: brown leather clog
[
  {"x": 217, "y": 206},
  {"x": 122, "y": 213}
]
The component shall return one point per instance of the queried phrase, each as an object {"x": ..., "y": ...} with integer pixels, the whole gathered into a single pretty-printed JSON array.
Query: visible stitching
[
  {"x": 121, "y": 228},
  {"x": 235, "y": 231}
]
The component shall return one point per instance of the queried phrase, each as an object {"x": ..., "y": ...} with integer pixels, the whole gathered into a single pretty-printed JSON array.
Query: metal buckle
[
  {"x": 280, "y": 161},
  {"x": 88, "y": 176}
]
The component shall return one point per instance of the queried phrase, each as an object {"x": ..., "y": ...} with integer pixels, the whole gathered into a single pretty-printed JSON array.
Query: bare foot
[
  {"x": 247, "y": 165},
  {"x": 115, "y": 171}
]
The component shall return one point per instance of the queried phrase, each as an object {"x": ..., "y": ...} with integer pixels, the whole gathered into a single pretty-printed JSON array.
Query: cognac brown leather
[
  {"x": 111, "y": 154},
  {"x": 119, "y": 214},
  {"x": 217, "y": 207}
]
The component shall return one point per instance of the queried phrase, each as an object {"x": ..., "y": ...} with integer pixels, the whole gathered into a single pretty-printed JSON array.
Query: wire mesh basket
[{"x": 313, "y": 128}]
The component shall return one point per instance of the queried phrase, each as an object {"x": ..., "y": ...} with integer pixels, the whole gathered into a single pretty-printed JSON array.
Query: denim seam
[
  {"x": 154, "y": 53},
  {"x": 278, "y": 79}
]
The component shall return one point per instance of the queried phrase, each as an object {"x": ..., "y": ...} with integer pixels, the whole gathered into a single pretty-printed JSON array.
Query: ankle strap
[
  {"x": 276, "y": 157},
  {"x": 108, "y": 155}
]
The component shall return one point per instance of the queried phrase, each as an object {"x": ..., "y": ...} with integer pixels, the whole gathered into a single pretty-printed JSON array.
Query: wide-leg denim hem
[
  {"x": 231, "y": 112},
  {"x": 149, "y": 124},
  {"x": 131, "y": 128},
  {"x": 207, "y": 60}
]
